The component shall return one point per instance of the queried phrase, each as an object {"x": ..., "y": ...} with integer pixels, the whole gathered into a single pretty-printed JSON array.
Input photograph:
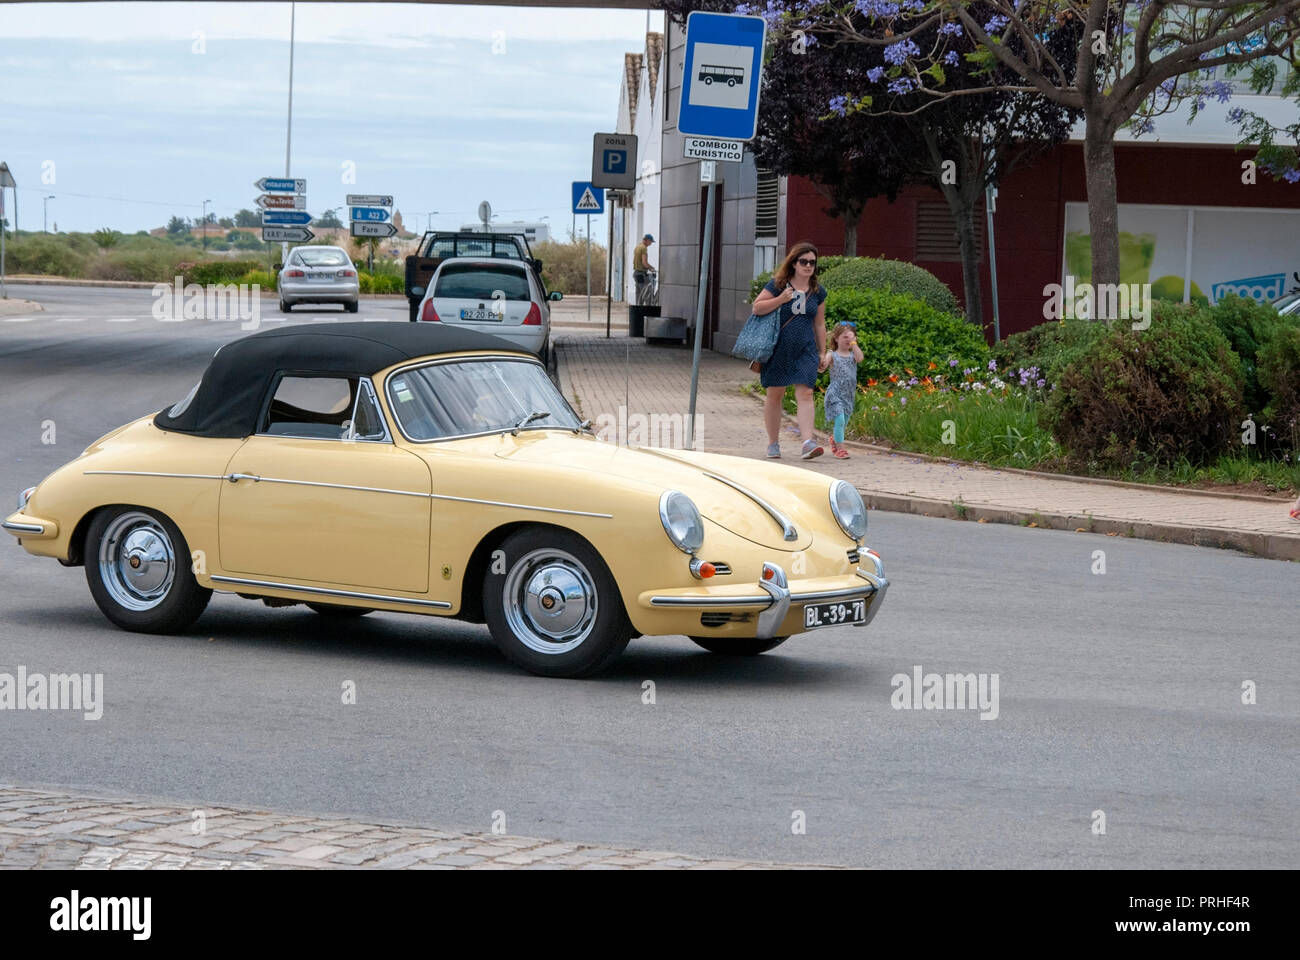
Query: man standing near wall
[{"x": 641, "y": 266}]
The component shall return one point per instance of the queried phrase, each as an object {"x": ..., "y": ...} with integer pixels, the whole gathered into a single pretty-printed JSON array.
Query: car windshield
[
  {"x": 324, "y": 257},
  {"x": 472, "y": 281},
  {"x": 476, "y": 396}
]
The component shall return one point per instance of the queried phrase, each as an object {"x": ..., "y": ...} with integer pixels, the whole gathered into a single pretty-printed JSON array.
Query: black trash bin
[{"x": 636, "y": 315}]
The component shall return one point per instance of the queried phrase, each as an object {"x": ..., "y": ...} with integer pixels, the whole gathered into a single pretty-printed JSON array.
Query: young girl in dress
[{"x": 843, "y": 358}]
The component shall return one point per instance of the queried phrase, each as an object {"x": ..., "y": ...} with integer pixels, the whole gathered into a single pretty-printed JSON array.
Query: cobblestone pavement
[
  {"x": 42, "y": 829},
  {"x": 601, "y": 376}
]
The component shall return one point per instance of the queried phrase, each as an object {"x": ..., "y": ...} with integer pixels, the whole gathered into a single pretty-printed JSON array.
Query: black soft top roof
[{"x": 234, "y": 388}]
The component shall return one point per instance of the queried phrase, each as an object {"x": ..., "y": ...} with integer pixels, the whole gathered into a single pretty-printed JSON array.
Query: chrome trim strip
[
  {"x": 881, "y": 583},
  {"x": 788, "y": 531},
  {"x": 441, "y": 604},
  {"x": 150, "y": 473},
  {"x": 755, "y": 600},
  {"x": 832, "y": 595},
  {"x": 522, "y": 506},
  {"x": 235, "y": 477},
  {"x": 22, "y": 527}
]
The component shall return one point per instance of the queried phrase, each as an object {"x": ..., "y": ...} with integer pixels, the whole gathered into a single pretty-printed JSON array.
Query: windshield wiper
[{"x": 537, "y": 415}]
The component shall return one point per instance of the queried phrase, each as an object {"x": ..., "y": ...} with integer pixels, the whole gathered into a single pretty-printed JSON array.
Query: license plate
[
  {"x": 320, "y": 276},
  {"x": 833, "y": 614},
  {"x": 480, "y": 315}
]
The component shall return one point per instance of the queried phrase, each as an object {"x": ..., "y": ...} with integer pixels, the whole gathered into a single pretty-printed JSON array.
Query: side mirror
[
  {"x": 417, "y": 291},
  {"x": 279, "y": 267},
  {"x": 555, "y": 295}
]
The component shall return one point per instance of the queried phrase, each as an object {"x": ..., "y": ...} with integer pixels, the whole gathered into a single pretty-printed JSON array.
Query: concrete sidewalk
[{"x": 601, "y": 376}]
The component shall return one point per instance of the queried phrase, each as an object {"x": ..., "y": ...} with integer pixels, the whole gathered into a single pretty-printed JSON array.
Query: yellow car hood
[{"x": 690, "y": 473}]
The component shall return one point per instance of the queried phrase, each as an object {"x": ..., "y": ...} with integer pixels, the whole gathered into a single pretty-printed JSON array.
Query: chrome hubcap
[
  {"x": 550, "y": 601},
  {"x": 137, "y": 562}
]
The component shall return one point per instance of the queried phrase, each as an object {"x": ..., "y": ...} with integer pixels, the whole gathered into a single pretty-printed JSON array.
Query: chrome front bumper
[{"x": 777, "y": 598}]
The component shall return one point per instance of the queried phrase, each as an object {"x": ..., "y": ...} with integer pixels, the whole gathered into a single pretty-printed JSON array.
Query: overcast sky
[{"x": 138, "y": 111}]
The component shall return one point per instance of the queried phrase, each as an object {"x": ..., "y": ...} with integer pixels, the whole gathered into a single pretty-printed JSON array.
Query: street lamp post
[
  {"x": 45, "y": 215},
  {"x": 205, "y": 223}
]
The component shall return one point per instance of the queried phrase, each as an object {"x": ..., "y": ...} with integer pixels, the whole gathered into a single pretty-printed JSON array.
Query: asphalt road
[{"x": 1118, "y": 692}]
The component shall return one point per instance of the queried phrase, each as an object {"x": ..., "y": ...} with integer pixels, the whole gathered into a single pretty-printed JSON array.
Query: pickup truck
[{"x": 437, "y": 246}]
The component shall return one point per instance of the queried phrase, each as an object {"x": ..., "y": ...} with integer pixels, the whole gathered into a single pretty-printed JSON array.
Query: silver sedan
[{"x": 319, "y": 275}]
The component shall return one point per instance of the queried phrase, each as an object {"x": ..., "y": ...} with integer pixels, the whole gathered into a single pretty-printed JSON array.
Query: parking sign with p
[{"x": 613, "y": 161}]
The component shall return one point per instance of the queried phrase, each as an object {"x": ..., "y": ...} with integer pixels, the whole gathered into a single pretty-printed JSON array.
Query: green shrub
[
  {"x": 899, "y": 332},
  {"x": 105, "y": 237},
  {"x": 1279, "y": 375},
  {"x": 150, "y": 263},
  {"x": 43, "y": 255},
  {"x": 263, "y": 278},
  {"x": 1048, "y": 346},
  {"x": 865, "y": 273},
  {"x": 220, "y": 271},
  {"x": 1153, "y": 395},
  {"x": 380, "y": 282},
  {"x": 1249, "y": 326}
]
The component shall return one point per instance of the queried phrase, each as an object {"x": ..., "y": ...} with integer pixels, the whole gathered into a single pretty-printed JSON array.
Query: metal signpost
[
  {"x": 6, "y": 180},
  {"x": 613, "y": 166},
  {"x": 370, "y": 216},
  {"x": 721, "y": 73},
  {"x": 588, "y": 199}
]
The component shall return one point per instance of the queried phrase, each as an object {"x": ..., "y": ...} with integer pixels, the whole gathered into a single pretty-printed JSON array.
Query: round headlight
[
  {"x": 681, "y": 521},
  {"x": 849, "y": 510}
]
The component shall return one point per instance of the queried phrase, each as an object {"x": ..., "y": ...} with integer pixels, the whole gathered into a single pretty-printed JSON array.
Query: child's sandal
[{"x": 1294, "y": 513}]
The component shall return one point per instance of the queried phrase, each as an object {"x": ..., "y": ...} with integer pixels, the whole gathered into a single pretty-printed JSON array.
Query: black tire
[
  {"x": 353, "y": 307},
  {"x": 739, "y": 646},
  {"x": 166, "y": 598},
  {"x": 586, "y": 636},
  {"x": 338, "y": 611},
  {"x": 285, "y": 307}
]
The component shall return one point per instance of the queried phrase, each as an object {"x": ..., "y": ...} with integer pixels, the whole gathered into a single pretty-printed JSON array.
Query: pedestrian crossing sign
[{"x": 588, "y": 199}]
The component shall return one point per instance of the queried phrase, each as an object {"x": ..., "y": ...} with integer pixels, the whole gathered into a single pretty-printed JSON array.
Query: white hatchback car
[{"x": 491, "y": 295}]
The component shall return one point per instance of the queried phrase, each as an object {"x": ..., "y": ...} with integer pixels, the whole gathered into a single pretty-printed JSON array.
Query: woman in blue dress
[{"x": 800, "y": 346}]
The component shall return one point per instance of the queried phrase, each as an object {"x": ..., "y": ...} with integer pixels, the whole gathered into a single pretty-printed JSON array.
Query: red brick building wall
[{"x": 1030, "y": 217}]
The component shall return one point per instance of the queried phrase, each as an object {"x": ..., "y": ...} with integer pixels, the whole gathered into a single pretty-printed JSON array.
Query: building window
[{"x": 936, "y": 232}]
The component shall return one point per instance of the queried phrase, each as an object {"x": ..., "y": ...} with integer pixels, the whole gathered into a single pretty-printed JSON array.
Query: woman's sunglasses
[{"x": 805, "y": 262}]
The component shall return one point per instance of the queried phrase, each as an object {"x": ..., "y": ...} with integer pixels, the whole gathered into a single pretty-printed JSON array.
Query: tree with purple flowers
[{"x": 1128, "y": 61}]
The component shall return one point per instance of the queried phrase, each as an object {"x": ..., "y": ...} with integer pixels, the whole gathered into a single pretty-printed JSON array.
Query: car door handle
[{"x": 236, "y": 477}]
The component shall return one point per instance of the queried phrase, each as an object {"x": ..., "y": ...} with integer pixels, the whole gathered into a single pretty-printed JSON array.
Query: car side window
[
  {"x": 313, "y": 407},
  {"x": 367, "y": 419}
]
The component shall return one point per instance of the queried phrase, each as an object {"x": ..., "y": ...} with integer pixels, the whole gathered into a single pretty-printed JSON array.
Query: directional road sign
[
  {"x": 281, "y": 201},
  {"x": 613, "y": 161},
  {"x": 374, "y": 230},
  {"x": 286, "y": 235},
  {"x": 370, "y": 199},
  {"x": 588, "y": 198},
  {"x": 722, "y": 71},
  {"x": 370, "y": 214},
  {"x": 281, "y": 185},
  {"x": 286, "y": 218}
]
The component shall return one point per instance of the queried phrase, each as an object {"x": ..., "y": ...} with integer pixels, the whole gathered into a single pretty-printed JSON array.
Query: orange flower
[
  {"x": 871, "y": 383},
  {"x": 889, "y": 393},
  {"x": 909, "y": 372},
  {"x": 925, "y": 379},
  {"x": 893, "y": 378},
  {"x": 932, "y": 366}
]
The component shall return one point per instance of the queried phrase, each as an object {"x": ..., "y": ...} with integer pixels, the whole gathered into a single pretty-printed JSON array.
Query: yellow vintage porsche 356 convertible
[{"x": 423, "y": 469}]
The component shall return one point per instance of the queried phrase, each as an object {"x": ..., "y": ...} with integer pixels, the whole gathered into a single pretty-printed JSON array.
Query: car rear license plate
[
  {"x": 480, "y": 315},
  {"x": 833, "y": 614}
]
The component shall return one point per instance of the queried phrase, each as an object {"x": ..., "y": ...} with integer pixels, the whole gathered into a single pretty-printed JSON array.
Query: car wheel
[
  {"x": 285, "y": 307},
  {"x": 338, "y": 611},
  {"x": 353, "y": 307},
  {"x": 138, "y": 569},
  {"x": 555, "y": 610},
  {"x": 739, "y": 646}
]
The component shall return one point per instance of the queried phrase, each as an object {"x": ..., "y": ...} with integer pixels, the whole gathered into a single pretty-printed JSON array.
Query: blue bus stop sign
[{"x": 721, "y": 75}]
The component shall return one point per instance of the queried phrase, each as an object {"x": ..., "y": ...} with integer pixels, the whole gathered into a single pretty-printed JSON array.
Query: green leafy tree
[
  {"x": 247, "y": 218},
  {"x": 178, "y": 226}
]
